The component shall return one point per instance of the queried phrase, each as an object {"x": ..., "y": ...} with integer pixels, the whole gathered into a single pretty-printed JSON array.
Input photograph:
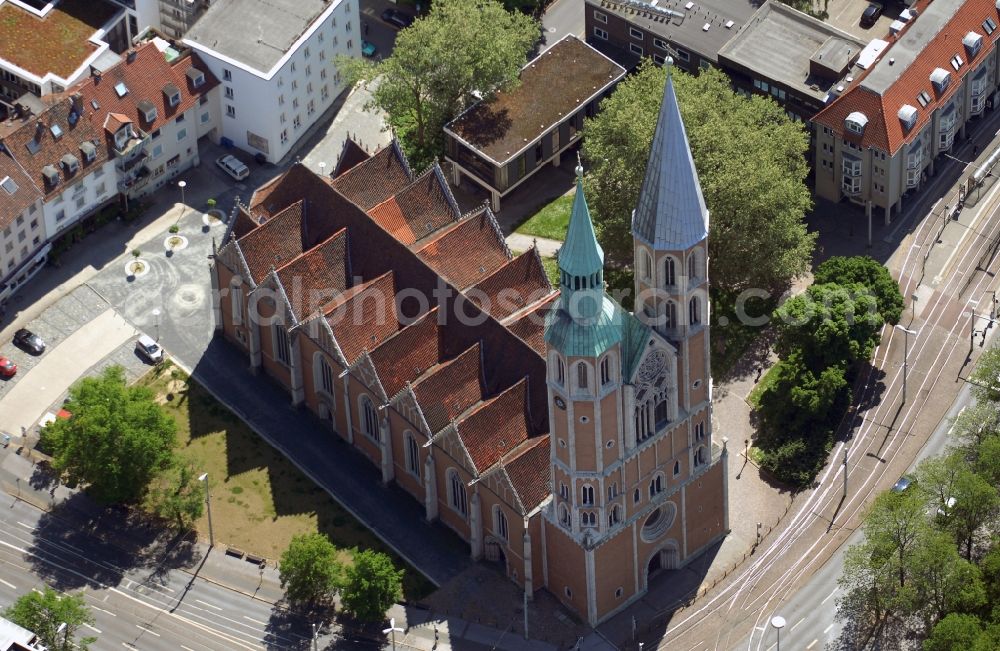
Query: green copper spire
[{"x": 581, "y": 261}]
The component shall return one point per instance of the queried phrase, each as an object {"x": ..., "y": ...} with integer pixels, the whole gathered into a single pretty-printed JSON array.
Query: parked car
[
  {"x": 233, "y": 167},
  {"x": 149, "y": 349},
  {"x": 368, "y": 49},
  {"x": 7, "y": 367},
  {"x": 29, "y": 341},
  {"x": 903, "y": 483},
  {"x": 871, "y": 14},
  {"x": 397, "y": 18}
]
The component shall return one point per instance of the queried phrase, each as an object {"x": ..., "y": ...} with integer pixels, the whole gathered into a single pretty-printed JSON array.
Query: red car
[{"x": 7, "y": 367}]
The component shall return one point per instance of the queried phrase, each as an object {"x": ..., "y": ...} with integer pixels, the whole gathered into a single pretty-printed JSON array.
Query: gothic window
[
  {"x": 456, "y": 494},
  {"x": 615, "y": 516},
  {"x": 700, "y": 458},
  {"x": 369, "y": 419},
  {"x": 588, "y": 519},
  {"x": 699, "y": 431},
  {"x": 669, "y": 272},
  {"x": 324, "y": 375},
  {"x": 500, "y": 523},
  {"x": 581, "y": 376},
  {"x": 693, "y": 265},
  {"x": 677, "y": 468},
  {"x": 281, "y": 349},
  {"x": 412, "y": 455},
  {"x": 612, "y": 491},
  {"x": 643, "y": 422},
  {"x": 564, "y": 516},
  {"x": 588, "y": 495},
  {"x": 669, "y": 314},
  {"x": 636, "y": 496},
  {"x": 694, "y": 311},
  {"x": 662, "y": 417},
  {"x": 560, "y": 371},
  {"x": 647, "y": 266},
  {"x": 236, "y": 293},
  {"x": 656, "y": 486},
  {"x": 606, "y": 371},
  {"x": 563, "y": 491}
]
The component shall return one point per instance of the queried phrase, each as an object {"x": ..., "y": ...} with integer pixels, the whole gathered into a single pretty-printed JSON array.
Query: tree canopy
[
  {"x": 43, "y": 612},
  {"x": 177, "y": 495},
  {"x": 459, "y": 51},
  {"x": 372, "y": 586},
  {"x": 117, "y": 440},
  {"x": 871, "y": 274},
  {"x": 309, "y": 570},
  {"x": 759, "y": 238}
]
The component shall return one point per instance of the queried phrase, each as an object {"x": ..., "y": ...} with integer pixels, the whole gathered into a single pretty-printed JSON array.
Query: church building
[{"x": 563, "y": 437}]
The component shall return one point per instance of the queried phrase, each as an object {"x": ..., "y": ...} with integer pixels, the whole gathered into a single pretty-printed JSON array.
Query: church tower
[{"x": 637, "y": 486}]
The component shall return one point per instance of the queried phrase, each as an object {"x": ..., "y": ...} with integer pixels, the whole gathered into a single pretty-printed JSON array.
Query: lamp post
[
  {"x": 156, "y": 315},
  {"x": 392, "y": 631},
  {"x": 906, "y": 354},
  {"x": 322, "y": 168},
  {"x": 778, "y": 622},
  {"x": 208, "y": 506},
  {"x": 63, "y": 628},
  {"x": 181, "y": 185}
]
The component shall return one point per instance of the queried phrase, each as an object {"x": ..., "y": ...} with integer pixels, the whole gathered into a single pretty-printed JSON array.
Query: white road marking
[
  {"x": 8, "y": 584},
  {"x": 796, "y": 624},
  {"x": 812, "y": 644},
  {"x": 829, "y": 595},
  {"x": 255, "y": 621},
  {"x": 93, "y": 628},
  {"x": 208, "y": 604},
  {"x": 186, "y": 648},
  {"x": 105, "y": 611},
  {"x": 26, "y": 526},
  {"x": 148, "y": 630},
  {"x": 827, "y": 629},
  {"x": 37, "y": 590}
]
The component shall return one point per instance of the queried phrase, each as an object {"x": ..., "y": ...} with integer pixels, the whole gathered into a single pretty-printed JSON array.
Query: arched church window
[
  {"x": 694, "y": 311},
  {"x": 605, "y": 371},
  {"x": 669, "y": 314},
  {"x": 647, "y": 266},
  {"x": 693, "y": 265},
  {"x": 581, "y": 375},
  {"x": 560, "y": 371},
  {"x": 669, "y": 272}
]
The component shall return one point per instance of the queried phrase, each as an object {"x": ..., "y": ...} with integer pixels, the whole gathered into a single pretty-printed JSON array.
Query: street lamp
[
  {"x": 392, "y": 631},
  {"x": 181, "y": 185},
  {"x": 778, "y": 622},
  {"x": 208, "y": 505},
  {"x": 156, "y": 315},
  {"x": 322, "y": 168},
  {"x": 906, "y": 353},
  {"x": 63, "y": 628}
]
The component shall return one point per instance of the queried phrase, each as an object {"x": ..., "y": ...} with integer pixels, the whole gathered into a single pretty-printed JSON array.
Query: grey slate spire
[{"x": 671, "y": 213}]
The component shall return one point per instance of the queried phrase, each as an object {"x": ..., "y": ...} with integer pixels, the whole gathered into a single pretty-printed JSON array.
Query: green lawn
[
  {"x": 551, "y": 220},
  {"x": 260, "y": 500},
  {"x": 769, "y": 378}
]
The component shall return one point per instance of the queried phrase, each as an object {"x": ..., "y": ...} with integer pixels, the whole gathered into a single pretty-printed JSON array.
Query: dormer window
[
  {"x": 89, "y": 151},
  {"x": 148, "y": 110},
  {"x": 972, "y": 42},
  {"x": 173, "y": 94},
  {"x": 941, "y": 79},
  {"x": 908, "y": 116},
  {"x": 70, "y": 163},
  {"x": 122, "y": 136},
  {"x": 196, "y": 77},
  {"x": 51, "y": 175},
  {"x": 855, "y": 122}
]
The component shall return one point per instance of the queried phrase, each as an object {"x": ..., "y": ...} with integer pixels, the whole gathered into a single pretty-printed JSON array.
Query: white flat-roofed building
[{"x": 274, "y": 59}]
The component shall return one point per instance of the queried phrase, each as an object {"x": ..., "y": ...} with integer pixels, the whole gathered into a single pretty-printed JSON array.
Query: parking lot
[{"x": 846, "y": 15}]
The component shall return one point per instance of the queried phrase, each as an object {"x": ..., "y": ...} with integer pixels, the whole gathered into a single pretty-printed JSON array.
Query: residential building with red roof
[
  {"x": 115, "y": 136},
  {"x": 562, "y": 437},
  {"x": 912, "y": 96},
  {"x": 275, "y": 61},
  {"x": 23, "y": 241}
]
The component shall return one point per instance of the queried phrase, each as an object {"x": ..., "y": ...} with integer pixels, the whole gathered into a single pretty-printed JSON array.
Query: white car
[
  {"x": 149, "y": 349},
  {"x": 233, "y": 167}
]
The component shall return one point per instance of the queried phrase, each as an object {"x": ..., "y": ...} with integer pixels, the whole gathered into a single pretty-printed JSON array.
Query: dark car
[
  {"x": 871, "y": 14},
  {"x": 29, "y": 341},
  {"x": 903, "y": 483},
  {"x": 397, "y": 18}
]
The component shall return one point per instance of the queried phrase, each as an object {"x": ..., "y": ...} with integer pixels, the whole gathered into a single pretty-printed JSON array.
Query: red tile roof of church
[
  {"x": 418, "y": 210},
  {"x": 351, "y": 155},
  {"x": 373, "y": 181},
  {"x": 528, "y": 469},
  {"x": 513, "y": 287},
  {"x": 406, "y": 355},
  {"x": 275, "y": 242},
  {"x": 450, "y": 388},
  {"x": 317, "y": 276},
  {"x": 529, "y": 324},
  {"x": 467, "y": 251},
  {"x": 496, "y": 426},
  {"x": 364, "y": 316}
]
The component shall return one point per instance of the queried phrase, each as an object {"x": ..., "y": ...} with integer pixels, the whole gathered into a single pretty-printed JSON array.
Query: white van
[
  {"x": 149, "y": 349},
  {"x": 233, "y": 167}
]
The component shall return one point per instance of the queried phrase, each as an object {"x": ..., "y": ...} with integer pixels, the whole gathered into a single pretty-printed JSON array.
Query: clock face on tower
[{"x": 652, "y": 366}]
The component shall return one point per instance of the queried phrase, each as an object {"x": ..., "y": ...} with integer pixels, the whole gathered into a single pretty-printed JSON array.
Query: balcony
[
  {"x": 135, "y": 180},
  {"x": 130, "y": 150}
]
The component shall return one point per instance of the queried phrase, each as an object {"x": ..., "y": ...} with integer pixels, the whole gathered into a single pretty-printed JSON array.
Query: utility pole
[
  {"x": 906, "y": 355},
  {"x": 845, "y": 471},
  {"x": 208, "y": 506}
]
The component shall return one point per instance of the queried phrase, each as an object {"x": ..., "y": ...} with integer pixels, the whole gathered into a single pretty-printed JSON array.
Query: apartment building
[
  {"x": 691, "y": 31},
  {"x": 116, "y": 136},
  {"x": 274, "y": 59},
  {"x": 46, "y": 47},
  {"x": 178, "y": 16},
  {"x": 878, "y": 139}
]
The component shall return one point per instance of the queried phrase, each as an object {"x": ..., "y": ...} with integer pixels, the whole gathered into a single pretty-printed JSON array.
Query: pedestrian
[
  {"x": 760, "y": 371},
  {"x": 364, "y": 27}
]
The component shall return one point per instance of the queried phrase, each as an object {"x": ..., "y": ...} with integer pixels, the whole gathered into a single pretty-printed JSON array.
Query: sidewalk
[{"x": 546, "y": 248}]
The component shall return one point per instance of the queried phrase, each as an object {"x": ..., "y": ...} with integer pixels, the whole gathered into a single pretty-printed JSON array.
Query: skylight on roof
[
  {"x": 924, "y": 98},
  {"x": 956, "y": 62},
  {"x": 56, "y": 131},
  {"x": 8, "y": 184},
  {"x": 94, "y": 103},
  {"x": 121, "y": 89},
  {"x": 989, "y": 25}
]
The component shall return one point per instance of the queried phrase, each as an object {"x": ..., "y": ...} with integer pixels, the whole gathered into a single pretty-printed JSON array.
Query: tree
[
  {"x": 309, "y": 570},
  {"x": 974, "y": 424},
  {"x": 831, "y": 324},
  {"x": 372, "y": 586},
  {"x": 943, "y": 581},
  {"x": 976, "y": 504},
  {"x": 868, "y": 272},
  {"x": 44, "y": 612},
  {"x": 956, "y": 632},
  {"x": 460, "y": 51},
  {"x": 936, "y": 477},
  {"x": 177, "y": 495},
  {"x": 117, "y": 440},
  {"x": 759, "y": 238},
  {"x": 986, "y": 377}
]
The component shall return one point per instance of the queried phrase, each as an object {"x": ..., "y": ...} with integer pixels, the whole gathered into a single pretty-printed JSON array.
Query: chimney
[
  {"x": 77, "y": 100},
  {"x": 130, "y": 56}
]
